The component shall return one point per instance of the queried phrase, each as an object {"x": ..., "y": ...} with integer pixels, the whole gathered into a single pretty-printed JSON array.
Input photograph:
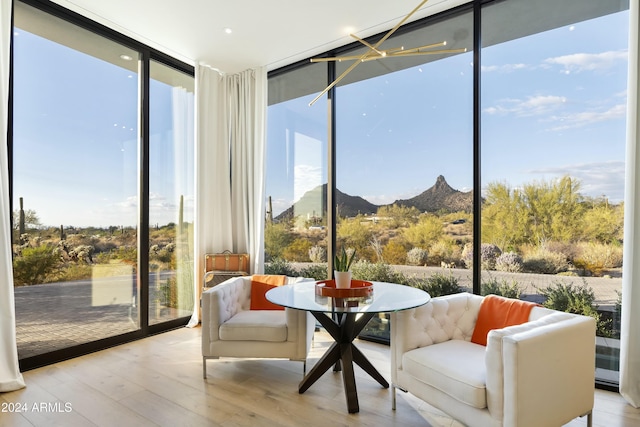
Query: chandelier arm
[
  {"x": 365, "y": 56},
  {"x": 369, "y": 45},
  {"x": 433, "y": 52},
  {"x": 337, "y": 80}
]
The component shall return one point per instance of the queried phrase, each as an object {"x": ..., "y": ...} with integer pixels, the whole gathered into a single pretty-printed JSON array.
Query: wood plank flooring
[{"x": 158, "y": 382}]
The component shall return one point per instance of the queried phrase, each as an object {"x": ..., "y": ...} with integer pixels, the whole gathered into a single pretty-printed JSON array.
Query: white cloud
[
  {"x": 505, "y": 68},
  {"x": 584, "y": 118},
  {"x": 579, "y": 62},
  {"x": 532, "y": 106}
]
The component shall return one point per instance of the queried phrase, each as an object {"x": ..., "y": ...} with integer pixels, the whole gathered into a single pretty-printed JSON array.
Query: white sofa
[
  {"x": 539, "y": 373},
  {"x": 231, "y": 329}
]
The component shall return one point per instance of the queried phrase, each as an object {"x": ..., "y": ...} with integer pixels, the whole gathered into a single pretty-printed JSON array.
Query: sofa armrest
[{"x": 549, "y": 372}]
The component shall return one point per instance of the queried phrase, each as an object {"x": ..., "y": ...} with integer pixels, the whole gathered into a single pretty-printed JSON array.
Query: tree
[
  {"x": 354, "y": 233},
  {"x": 31, "y": 219},
  {"x": 425, "y": 232},
  {"x": 396, "y": 216}
]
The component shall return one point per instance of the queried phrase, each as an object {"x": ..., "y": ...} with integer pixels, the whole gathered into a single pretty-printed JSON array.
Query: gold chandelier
[{"x": 374, "y": 53}]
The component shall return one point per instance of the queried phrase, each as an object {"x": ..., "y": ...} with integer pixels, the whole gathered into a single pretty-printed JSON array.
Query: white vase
[{"x": 343, "y": 279}]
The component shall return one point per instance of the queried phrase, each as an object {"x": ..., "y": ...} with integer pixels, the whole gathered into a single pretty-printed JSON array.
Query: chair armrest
[{"x": 549, "y": 372}]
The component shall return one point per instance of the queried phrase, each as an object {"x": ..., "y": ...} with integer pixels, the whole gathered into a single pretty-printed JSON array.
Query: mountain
[
  {"x": 312, "y": 202},
  {"x": 439, "y": 197}
]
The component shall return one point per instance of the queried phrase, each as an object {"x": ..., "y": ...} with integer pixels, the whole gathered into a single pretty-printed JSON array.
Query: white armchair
[
  {"x": 539, "y": 373},
  {"x": 231, "y": 329}
]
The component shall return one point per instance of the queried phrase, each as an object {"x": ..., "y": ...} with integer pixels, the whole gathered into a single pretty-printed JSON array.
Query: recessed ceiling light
[
  {"x": 228, "y": 30},
  {"x": 126, "y": 57}
]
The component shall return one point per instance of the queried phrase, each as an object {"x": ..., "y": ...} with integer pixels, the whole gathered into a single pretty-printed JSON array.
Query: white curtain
[
  {"x": 10, "y": 377},
  {"x": 248, "y": 123},
  {"x": 182, "y": 102},
  {"x": 230, "y": 147},
  {"x": 630, "y": 333}
]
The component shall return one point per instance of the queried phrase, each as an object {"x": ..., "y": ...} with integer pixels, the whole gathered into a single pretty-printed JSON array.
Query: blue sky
[
  {"x": 75, "y": 139},
  {"x": 552, "y": 104}
]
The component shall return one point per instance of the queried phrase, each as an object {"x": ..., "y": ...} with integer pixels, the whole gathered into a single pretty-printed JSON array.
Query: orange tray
[{"x": 358, "y": 289}]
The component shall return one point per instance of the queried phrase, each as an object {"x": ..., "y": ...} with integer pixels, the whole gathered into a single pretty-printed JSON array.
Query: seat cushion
[
  {"x": 255, "y": 325},
  {"x": 454, "y": 367}
]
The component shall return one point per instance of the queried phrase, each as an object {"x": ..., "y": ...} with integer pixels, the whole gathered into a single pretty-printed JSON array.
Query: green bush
[
  {"x": 317, "y": 271},
  {"x": 438, "y": 285},
  {"x": 378, "y": 272},
  {"x": 577, "y": 300},
  {"x": 279, "y": 266},
  {"x": 500, "y": 287},
  {"x": 545, "y": 262},
  {"x": 34, "y": 265}
]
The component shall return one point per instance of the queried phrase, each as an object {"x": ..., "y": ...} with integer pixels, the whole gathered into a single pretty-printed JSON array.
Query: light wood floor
[{"x": 158, "y": 381}]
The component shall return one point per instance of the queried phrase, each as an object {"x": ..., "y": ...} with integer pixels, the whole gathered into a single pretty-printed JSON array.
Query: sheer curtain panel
[
  {"x": 248, "y": 114},
  {"x": 10, "y": 377},
  {"x": 630, "y": 328},
  {"x": 213, "y": 173}
]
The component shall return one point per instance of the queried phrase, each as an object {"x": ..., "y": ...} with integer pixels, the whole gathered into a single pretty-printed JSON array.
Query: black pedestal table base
[{"x": 342, "y": 353}]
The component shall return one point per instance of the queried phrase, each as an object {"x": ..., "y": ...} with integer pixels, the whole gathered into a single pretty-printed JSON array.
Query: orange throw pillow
[
  {"x": 498, "y": 312},
  {"x": 260, "y": 284}
]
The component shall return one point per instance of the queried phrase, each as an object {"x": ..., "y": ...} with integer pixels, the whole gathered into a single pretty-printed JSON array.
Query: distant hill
[
  {"x": 440, "y": 197},
  {"x": 312, "y": 202}
]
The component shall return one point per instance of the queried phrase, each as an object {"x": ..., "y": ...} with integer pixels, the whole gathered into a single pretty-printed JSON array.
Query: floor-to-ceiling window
[
  {"x": 79, "y": 184},
  {"x": 171, "y": 193},
  {"x": 554, "y": 82},
  {"x": 296, "y": 190},
  {"x": 550, "y": 139}
]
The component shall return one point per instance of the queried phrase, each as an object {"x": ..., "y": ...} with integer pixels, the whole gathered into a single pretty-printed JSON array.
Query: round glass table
[{"x": 343, "y": 319}]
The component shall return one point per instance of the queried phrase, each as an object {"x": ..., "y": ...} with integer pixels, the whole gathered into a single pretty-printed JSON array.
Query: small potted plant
[{"x": 341, "y": 266}]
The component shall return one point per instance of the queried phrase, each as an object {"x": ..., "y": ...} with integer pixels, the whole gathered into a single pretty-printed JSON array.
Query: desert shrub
[
  {"x": 488, "y": 255},
  {"x": 577, "y": 300},
  {"x": 417, "y": 256},
  {"x": 510, "y": 262},
  {"x": 297, "y": 251},
  {"x": 595, "y": 257},
  {"x": 72, "y": 272},
  {"x": 425, "y": 232},
  {"x": 279, "y": 266},
  {"x": 500, "y": 287},
  {"x": 544, "y": 261},
  {"x": 444, "y": 251},
  {"x": 379, "y": 272},
  {"x": 439, "y": 284},
  {"x": 277, "y": 236},
  {"x": 34, "y": 265},
  {"x": 128, "y": 254},
  {"x": 82, "y": 253},
  {"x": 316, "y": 271},
  {"x": 394, "y": 253},
  {"x": 317, "y": 254}
]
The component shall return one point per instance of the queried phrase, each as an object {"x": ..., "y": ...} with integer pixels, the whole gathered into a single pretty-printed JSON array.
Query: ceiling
[{"x": 270, "y": 33}]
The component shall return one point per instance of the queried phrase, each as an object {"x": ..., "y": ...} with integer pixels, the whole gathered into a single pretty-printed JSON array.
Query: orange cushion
[
  {"x": 260, "y": 284},
  {"x": 498, "y": 312}
]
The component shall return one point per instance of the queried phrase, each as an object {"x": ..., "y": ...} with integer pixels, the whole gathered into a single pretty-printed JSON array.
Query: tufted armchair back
[
  {"x": 537, "y": 373},
  {"x": 231, "y": 329}
]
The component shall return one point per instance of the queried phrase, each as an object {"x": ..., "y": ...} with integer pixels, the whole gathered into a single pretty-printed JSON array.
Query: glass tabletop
[{"x": 386, "y": 297}]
